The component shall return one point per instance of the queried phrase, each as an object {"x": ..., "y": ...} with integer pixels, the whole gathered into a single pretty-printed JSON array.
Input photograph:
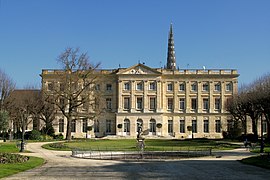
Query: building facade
[{"x": 166, "y": 102}]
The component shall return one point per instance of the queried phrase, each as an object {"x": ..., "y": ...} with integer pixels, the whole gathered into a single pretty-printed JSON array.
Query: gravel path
[{"x": 60, "y": 165}]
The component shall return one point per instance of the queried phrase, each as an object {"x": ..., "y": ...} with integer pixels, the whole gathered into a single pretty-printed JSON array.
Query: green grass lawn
[
  {"x": 260, "y": 161},
  {"x": 10, "y": 169},
  {"x": 151, "y": 145},
  {"x": 8, "y": 147}
]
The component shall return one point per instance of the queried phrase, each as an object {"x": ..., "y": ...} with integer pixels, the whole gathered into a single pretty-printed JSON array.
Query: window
[
  {"x": 194, "y": 126},
  {"x": 217, "y": 87},
  {"x": 61, "y": 125},
  {"x": 170, "y": 104},
  {"x": 73, "y": 125},
  {"x": 229, "y": 87},
  {"x": 218, "y": 126},
  {"x": 62, "y": 86},
  {"x": 264, "y": 126},
  {"x": 108, "y": 103},
  {"x": 205, "y": 87},
  {"x": 108, "y": 87},
  {"x": 108, "y": 126},
  {"x": 194, "y": 104},
  {"x": 170, "y": 87},
  {"x": 85, "y": 124},
  {"x": 50, "y": 86},
  {"x": 182, "y": 87},
  {"x": 127, "y": 86},
  {"x": 152, "y": 103},
  {"x": 206, "y": 126},
  {"x": 205, "y": 104},
  {"x": 194, "y": 87},
  {"x": 182, "y": 103},
  {"x": 182, "y": 126},
  {"x": 139, "y": 86},
  {"x": 97, "y": 87},
  {"x": 152, "y": 125},
  {"x": 96, "y": 126},
  {"x": 217, "y": 103},
  {"x": 126, "y": 103},
  {"x": 139, "y": 125},
  {"x": 62, "y": 102},
  {"x": 126, "y": 125},
  {"x": 152, "y": 86},
  {"x": 139, "y": 103},
  {"x": 170, "y": 126}
]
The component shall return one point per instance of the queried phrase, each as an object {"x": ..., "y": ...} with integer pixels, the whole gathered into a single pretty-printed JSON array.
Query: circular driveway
[{"x": 60, "y": 165}]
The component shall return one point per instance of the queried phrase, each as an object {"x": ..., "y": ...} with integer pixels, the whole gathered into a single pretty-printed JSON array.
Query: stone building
[{"x": 167, "y": 102}]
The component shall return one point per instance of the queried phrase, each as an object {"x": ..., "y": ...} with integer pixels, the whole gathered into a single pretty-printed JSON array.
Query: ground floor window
[
  {"x": 126, "y": 125},
  {"x": 96, "y": 126},
  {"x": 170, "y": 126},
  {"x": 194, "y": 126},
  {"x": 206, "y": 126},
  {"x": 264, "y": 126},
  {"x": 108, "y": 126},
  {"x": 218, "y": 126},
  {"x": 152, "y": 125},
  {"x": 61, "y": 125},
  {"x": 85, "y": 124},
  {"x": 73, "y": 125},
  {"x": 182, "y": 126}
]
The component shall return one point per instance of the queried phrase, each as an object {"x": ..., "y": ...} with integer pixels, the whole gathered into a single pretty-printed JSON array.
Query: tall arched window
[
  {"x": 126, "y": 125},
  {"x": 61, "y": 125},
  {"x": 139, "y": 124},
  {"x": 73, "y": 125},
  {"x": 152, "y": 126},
  {"x": 96, "y": 126}
]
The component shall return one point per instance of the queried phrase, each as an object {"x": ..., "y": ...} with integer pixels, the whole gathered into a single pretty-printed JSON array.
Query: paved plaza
[{"x": 60, "y": 165}]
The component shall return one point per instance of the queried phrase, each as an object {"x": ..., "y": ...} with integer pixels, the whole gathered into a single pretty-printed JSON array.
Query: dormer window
[
  {"x": 139, "y": 86},
  {"x": 205, "y": 87},
  {"x": 229, "y": 86},
  {"x": 194, "y": 87},
  {"x": 127, "y": 86},
  {"x": 152, "y": 86},
  {"x": 170, "y": 87},
  {"x": 108, "y": 87},
  {"x": 182, "y": 87},
  {"x": 217, "y": 87}
]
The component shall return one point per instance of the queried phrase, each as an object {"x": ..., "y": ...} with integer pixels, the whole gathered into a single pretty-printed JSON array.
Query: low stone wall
[{"x": 128, "y": 155}]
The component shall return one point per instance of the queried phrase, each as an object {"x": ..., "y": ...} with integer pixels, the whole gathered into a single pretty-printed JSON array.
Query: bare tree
[
  {"x": 6, "y": 87},
  {"x": 237, "y": 108},
  {"x": 75, "y": 89},
  {"x": 21, "y": 105}
]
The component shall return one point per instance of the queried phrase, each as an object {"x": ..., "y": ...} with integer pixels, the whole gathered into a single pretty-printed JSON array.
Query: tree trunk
[
  {"x": 68, "y": 133},
  {"x": 255, "y": 127}
]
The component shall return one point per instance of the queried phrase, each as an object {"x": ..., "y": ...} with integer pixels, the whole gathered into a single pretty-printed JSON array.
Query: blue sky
[{"x": 213, "y": 33}]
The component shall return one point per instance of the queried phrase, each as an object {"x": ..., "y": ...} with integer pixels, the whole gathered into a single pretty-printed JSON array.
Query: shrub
[
  {"x": 58, "y": 145},
  {"x": 46, "y": 137},
  {"x": 35, "y": 135},
  {"x": 59, "y": 136},
  {"x": 7, "y": 158}
]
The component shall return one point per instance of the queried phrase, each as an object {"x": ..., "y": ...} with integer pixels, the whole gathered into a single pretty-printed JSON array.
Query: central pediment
[{"x": 139, "y": 69}]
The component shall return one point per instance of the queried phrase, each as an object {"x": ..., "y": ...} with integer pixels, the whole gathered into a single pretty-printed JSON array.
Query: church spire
[{"x": 171, "y": 61}]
